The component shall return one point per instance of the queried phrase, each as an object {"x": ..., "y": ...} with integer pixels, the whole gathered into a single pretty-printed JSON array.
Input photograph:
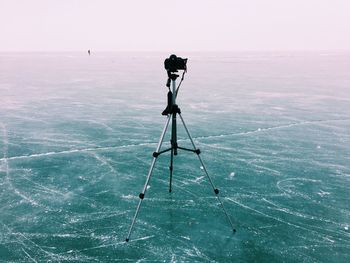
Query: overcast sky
[{"x": 177, "y": 25}]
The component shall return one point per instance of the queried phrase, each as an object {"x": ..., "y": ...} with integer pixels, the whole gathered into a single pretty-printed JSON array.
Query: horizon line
[{"x": 167, "y": 51}]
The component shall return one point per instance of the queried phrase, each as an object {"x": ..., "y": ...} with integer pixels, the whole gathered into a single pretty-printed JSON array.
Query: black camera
[{"x": 174, "y": 63}]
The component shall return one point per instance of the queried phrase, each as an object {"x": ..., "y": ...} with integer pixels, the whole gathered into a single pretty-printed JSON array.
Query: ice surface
[{"x": 76, "y": 140}]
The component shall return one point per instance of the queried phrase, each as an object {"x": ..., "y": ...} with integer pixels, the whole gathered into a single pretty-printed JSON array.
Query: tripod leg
[
  {"x": 142, "y": 194},
  {"x": 171, "y": 168},
  {"x": 216, "y": 191}
]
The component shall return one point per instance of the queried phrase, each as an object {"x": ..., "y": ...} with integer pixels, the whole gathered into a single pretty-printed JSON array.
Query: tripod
[{"x": 171, "y": 111}]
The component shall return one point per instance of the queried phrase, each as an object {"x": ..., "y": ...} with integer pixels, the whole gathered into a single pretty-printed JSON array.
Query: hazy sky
[{"x": 187, "y": 25}]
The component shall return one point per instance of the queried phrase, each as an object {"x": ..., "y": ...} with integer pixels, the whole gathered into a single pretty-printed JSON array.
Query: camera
[{"x": 174, "y": 63}]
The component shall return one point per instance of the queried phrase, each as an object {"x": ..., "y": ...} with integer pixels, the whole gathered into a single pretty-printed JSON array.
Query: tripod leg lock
[
  {"x": 216, "y": 191},
  {"x": 197, "y": 151},
  {"x": 142, "y": 195},
  {"x": 155, "y": 154}
]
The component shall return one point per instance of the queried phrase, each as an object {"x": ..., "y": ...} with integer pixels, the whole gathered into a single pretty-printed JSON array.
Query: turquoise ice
[{"x": 77, "y": 134}]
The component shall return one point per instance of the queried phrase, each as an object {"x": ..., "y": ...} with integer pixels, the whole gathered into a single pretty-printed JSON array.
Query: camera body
[{"x": 174, "y": 63}]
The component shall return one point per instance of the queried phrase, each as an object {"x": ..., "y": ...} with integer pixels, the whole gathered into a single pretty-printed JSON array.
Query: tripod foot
[
  {"x": 216, "y": 191},
  {"x": 127, "y": 240},
  {"x": 234, "y": 230}
]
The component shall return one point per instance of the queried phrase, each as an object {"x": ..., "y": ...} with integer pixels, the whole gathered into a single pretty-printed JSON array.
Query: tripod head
[{"x": 172, "y": 65}]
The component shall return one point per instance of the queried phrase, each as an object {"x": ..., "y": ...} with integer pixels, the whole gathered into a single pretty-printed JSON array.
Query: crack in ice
[{"x": 151, "y": 143}]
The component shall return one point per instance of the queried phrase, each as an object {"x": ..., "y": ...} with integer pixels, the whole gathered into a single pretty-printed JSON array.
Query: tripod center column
[{"x": 173, "y": 112}]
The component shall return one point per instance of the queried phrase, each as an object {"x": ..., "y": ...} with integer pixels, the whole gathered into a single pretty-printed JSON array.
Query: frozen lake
[{"x": 76, "y": 140}]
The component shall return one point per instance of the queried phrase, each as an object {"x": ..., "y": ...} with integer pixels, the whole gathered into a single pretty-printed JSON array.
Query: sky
[{"x": 177, "y": 25}]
